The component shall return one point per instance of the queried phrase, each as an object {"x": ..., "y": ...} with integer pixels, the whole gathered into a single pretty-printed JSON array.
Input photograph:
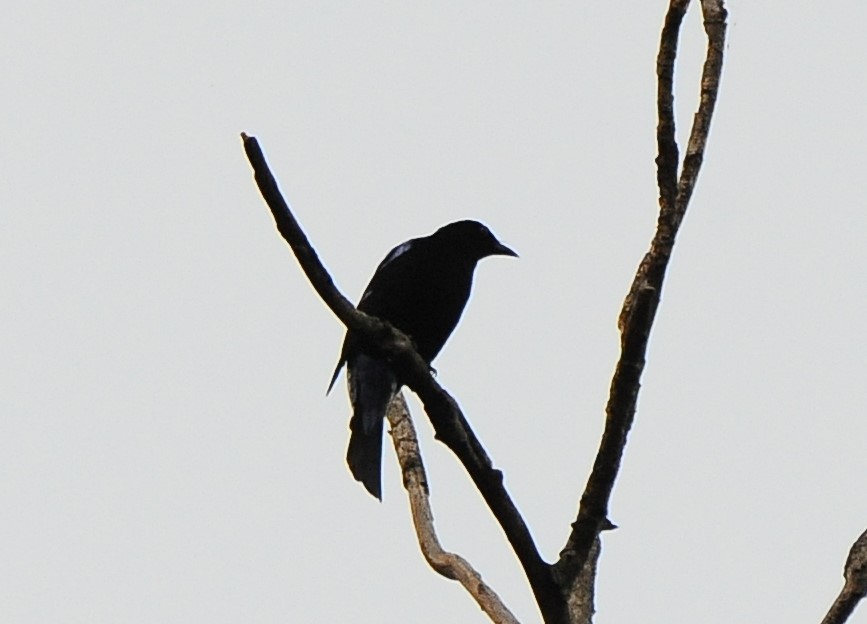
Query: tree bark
[{"x": 855, "y": 586}]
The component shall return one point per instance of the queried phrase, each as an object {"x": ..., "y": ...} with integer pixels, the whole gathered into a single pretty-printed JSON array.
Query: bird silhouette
[{"x": 421, "y": 287}]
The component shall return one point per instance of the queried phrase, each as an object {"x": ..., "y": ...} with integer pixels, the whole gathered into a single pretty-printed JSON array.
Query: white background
[{"x": 167, "y": 453}]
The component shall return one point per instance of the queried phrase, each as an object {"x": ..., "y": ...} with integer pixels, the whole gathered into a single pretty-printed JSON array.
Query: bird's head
[{"x": 473, "y": 238}]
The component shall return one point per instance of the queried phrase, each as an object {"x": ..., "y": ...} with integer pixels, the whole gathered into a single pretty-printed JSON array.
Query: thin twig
[
  {"x": 639, "y": 308},
  {"x": 449, "y": 565}
]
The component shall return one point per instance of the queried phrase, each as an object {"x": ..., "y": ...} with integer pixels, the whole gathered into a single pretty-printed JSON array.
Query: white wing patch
[
  {"x": 394, "y": 253},
  {"x": 397, "y": 251}
]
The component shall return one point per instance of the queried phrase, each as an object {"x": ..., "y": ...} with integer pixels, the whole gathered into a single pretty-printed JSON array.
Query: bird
[{"x": 421, "y": 287}]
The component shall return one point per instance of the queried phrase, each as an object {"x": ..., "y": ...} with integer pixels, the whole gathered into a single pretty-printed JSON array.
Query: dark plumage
[{"x": 421, "y": 287}]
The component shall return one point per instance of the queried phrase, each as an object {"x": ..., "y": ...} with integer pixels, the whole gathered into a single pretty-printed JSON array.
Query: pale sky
[{"x": 167, "y": 453}]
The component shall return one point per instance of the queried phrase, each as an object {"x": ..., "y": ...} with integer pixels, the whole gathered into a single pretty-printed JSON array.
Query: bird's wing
[
  {"x": 379, "y": 289},
  {"x": 388, "y": 284},
  {"x": 334, "y": 376},
  {"x": 394, "y": 253}
]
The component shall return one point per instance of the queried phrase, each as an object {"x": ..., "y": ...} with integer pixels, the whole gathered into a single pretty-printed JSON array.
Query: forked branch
[
  {"x": 639, "y": 308},
  {"x": 564, "y": 592}
]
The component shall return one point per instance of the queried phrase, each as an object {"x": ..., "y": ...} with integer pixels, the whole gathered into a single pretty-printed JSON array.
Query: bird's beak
[{"x": 501, "y": 250}]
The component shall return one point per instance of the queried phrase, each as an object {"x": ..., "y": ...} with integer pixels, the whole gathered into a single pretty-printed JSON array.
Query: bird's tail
[
  {"x": 372, "y": 385},
  {"x": 364, "y": 457}
]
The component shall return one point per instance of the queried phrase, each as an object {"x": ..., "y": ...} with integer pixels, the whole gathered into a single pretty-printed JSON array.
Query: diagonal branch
[
  {"x": 855, "y": 587},
  {"x": 639, "y": 308},
  {"x": 452, "y": 428},
  {"x": 447, "y": 564}
]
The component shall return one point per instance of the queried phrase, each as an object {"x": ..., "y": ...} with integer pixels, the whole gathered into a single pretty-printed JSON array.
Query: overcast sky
[{"x": 167, "y": 452}]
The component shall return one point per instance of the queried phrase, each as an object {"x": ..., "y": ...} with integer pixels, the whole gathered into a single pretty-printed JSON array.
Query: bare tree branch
[
  {"x": 715, "y": 28},
  {"x": 581, "y": 594},
  {"x": 639, "y": 308},
  {"x": 855, "y": 587},
  {"x": 571, "y": 579},
  {"x": 452, "y": 428},
  {"x": 447, "y": 564}
]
